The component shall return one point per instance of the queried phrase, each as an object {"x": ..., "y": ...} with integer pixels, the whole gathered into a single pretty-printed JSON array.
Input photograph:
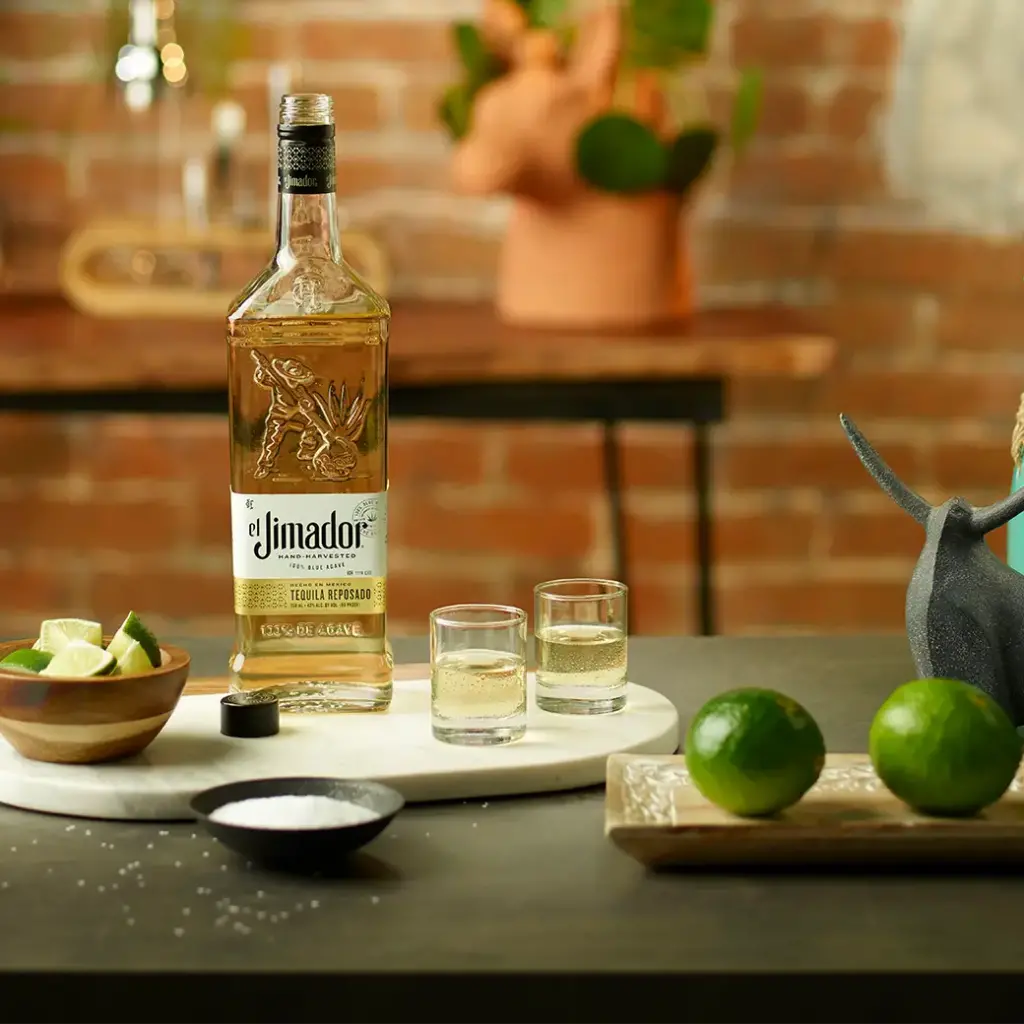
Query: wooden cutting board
[{"x": 656, "y": 815}]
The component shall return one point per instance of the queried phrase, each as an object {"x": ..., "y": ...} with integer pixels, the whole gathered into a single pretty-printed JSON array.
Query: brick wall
[{"x": 99, "y": 514}]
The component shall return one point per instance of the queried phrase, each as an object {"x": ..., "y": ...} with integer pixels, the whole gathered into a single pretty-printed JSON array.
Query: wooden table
[
  {"x": 447, "y": 361},
  {"x": 510, "y": 909}
]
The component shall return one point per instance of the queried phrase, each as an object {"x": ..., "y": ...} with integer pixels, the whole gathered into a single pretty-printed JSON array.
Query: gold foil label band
[{"x": 352, "y": 596}]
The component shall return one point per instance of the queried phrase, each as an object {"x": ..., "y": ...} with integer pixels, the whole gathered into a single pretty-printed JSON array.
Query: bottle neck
[
  {"x": 307, "y": 212},
  {"x": 307, "y": 227}
]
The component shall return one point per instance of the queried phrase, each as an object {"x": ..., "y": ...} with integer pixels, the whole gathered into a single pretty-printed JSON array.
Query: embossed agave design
[{"x": 329, "y": 422}]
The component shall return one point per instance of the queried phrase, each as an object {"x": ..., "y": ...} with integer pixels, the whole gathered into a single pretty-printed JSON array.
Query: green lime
[
  {"x": 133, "y": 629},
  {"x": 134, "y": 661},
  {"x": 79, "y": 660},
  {"x": 56, "y": 634},
  {"x": 944, "y": 747},
  {"x": 27, "y": 660},
  {"x": 754, "y": 752}
]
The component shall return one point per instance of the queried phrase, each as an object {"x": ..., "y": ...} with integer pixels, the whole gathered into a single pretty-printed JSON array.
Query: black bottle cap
[{"x": 250, "y": 715}]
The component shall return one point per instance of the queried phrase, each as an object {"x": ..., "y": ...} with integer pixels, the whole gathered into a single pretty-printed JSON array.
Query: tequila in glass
[
  {"x": 478, "y": 674},
  {"x": 581, "y": 646}
]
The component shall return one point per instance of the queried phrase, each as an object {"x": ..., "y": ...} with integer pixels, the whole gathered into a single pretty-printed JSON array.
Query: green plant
[{"x": 617, "y": 150}]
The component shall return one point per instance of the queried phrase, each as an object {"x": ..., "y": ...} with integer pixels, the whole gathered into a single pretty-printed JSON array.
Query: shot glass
[
  {"x": 478, "y": 674},
  {"x": 581, "y": 646}
]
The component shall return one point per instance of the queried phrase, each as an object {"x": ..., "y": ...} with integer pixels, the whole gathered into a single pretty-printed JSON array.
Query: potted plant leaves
[{"x": 572, "y": 109}]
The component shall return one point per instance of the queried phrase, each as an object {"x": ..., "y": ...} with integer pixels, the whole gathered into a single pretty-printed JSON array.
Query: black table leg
[
  {"x": 613, "y": 485},
  {"x": 702, "y": 487}
]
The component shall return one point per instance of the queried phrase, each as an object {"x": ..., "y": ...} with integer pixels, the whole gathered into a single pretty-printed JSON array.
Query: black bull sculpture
[{"x": 965, "y": 606}]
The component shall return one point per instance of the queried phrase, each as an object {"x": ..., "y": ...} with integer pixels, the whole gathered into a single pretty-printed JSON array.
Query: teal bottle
[{"x": 1015, "y": 528}]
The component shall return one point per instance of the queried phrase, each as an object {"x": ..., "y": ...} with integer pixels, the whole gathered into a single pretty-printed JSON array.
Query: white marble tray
[{"x": 559, "y": 752}]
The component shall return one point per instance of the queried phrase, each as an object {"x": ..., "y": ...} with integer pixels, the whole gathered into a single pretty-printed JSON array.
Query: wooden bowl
[{"x": 87, "y": 721}]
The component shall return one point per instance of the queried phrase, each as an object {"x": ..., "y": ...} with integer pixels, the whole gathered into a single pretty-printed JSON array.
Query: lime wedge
[
  {"x": 80, "y": 660},
  {"x": 134, "y": 660},
  {"x": 27, "y": 660},
  {"x": 133, "y": 630},
  {"x": 56, "y": 634}
]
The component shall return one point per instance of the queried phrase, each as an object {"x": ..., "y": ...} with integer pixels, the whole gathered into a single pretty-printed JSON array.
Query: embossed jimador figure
[
  {"x": 329, "y": 424},
  {"x": 965, "y": 605}
]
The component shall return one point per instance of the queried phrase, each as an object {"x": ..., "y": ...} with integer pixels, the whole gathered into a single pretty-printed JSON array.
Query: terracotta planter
[{"x": 597, "y": 261}]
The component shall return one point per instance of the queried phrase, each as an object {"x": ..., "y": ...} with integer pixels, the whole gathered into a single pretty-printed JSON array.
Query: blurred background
[{"x": 879, "y": 198}]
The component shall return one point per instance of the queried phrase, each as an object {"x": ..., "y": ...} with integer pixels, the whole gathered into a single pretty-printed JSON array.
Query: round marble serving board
[{"x": 558, "y": 752}]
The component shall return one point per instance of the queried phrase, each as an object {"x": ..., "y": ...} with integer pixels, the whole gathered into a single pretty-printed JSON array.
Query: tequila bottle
[{"x": 308, "y": 361}]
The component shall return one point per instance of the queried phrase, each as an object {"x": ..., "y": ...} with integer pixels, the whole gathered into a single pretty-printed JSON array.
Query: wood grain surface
[
  {"x": 657, "y": 816},
  {"x": 50, "y": 346},
  {"x": 219, "y": 684}
]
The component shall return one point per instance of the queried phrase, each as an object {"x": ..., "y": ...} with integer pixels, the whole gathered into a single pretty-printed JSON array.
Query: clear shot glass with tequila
[
  {"x": 581, "y": 646},
  {"x": 478, "y": 674}
]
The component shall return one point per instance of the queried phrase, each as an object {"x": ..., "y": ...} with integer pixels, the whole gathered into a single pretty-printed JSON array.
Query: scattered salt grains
[
  {"x": 130, "y": 921},
  {"x": 149, "y": 846},
  {"x": 185, "y": 911},
  {"x": 3, "y": 885},
  {"x": 14, "y": 849},
  {"x": 163, "y": 832},
  {"x": 314, "y": 904},
  {"x": 177, "y": 863},
  {"x": 260, "y": 915},
  {"x": 179, "y": 932},
  {"x": 292, "y": 812},
  {"x": 375, "y": 899},
  {"x": 81, "y": 883},
  {"x": 69, "y": 828},
  {"x": 206, "y": 853}
]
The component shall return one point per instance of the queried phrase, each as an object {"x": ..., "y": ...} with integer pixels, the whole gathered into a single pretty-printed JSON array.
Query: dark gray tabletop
[{"x": 521, "y": 884}]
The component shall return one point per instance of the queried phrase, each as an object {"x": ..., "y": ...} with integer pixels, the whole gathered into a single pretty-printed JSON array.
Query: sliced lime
[
  {"x": 134, "y": 661},
  {"x": 27, "y": 659},
  {"x": 133, "y": 630},
  {"x": 80, "y": 660},
  {"x": 56, "y": 634}
]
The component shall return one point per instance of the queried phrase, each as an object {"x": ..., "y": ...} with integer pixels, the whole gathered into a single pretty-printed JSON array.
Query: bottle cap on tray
[{"x": 250, "y": 715}]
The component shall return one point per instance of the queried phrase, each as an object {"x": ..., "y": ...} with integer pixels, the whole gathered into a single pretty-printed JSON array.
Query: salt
[{"x": 292, "y": 812}]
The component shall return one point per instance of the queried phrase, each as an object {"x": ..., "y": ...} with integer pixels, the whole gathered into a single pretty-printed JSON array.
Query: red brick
[
  {"x": 825, "y": 176},
  {"x": 385, "y": 40},
  {"x": 534, "y": 529},
  {"x": 411, "y": 598},
  {"x": 552, "y": 460},
  {"x": 656, "y": 457},
  {"x": 41, "y": 36},
  {"x": 926, "y": 395},
  {"x": 358, "y": 175},
  {"x": 659, "y": 609},
  {"x": 961, "y": 467},
  {"x": 793, "y": 462},
  {"x": 870, "y": 318},
  {"x": 785, "y": 108},
  {"x": 420, "y": 99},
  {"x": 867, "y": 43},
  {"x": 423, "y": 454},
  {"x": 854, "y": 110},
  {"x": 771, "y": 42},
  {"x": 39, "y": 182},
  {"x": 981, "y": 322},
  {"x": 211, "y": 519},
  {"x": 160, "y": 591},
  {"x": 441, "y": 251},
  {"x": 89, "y": 528},
  {"x": 935, "y": 261},
  {"x": 735, "y": 251},
  {"x": 737, "y": 540},
  {"x": 42, "y": 592},
  {"x": 34, "y": 446},
  {"x": 839, "y": 606},
  {"x": 876, "y": 534}
]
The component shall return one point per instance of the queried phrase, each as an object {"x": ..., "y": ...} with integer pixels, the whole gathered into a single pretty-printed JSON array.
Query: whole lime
[
  {"x": 944, "y": 747},
  {"x": 754, "y": 752}
]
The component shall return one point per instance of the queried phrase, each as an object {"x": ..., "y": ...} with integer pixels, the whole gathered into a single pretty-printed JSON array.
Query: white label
[{"x": 297, "y": 536}]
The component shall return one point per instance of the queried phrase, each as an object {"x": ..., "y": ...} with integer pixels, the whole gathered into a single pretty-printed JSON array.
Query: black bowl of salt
[{"x": 297, "y": 823}]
